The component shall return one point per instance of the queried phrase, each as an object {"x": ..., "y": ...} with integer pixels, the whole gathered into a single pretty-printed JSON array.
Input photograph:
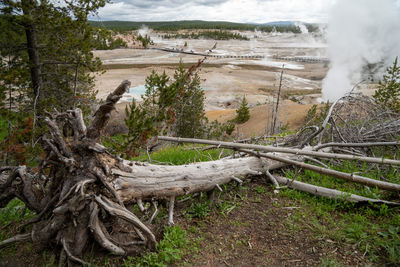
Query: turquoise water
[{"x": 137, "y": 91}]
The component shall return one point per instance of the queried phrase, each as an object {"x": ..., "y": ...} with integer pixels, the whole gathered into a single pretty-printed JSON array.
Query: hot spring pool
[{"x": 136, "y": 93}]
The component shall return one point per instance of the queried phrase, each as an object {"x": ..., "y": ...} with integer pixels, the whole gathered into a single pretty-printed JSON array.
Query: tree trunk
[{"x": 28, "y": 7}]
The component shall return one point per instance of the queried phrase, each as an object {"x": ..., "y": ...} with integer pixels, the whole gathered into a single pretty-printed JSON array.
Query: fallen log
[
  {"x": 147, "y": 181},
  {"x": 330, "y": 193},
  {"x": 368, "y": 144},
  {"x": 346, "y": 176},
  {"x": 281, "y": 150}
]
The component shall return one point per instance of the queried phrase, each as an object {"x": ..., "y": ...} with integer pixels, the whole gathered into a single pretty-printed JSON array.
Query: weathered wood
[
  {"x": 102, "y": 115},
  {"x": 347, "y": 176},
  {"x": 370, "y": 144},
  {"x": 281, "y": 150},
  {"x": 330, "y": 193},
  {"x": 147, "y": 181},
  {"x": 15, "y": 239}
]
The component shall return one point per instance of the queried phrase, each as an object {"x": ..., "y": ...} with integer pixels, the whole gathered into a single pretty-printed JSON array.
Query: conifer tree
[
  {"x": 243, "y": 112},
  {"x": 47, "y": 47},
  {"x": 173, "y": 106},
  {"x": 388, "y": 93},
  {"x": 46, "y": 62}
]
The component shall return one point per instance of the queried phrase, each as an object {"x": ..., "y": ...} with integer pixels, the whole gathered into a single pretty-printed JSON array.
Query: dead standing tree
[{"x": 79, "y": 190}]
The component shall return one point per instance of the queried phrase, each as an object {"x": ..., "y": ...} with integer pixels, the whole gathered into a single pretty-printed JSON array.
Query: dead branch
[
  {"x": 331, "y": 193},
  {"x": 15, "y": 239},
  {"x": 102, "y": 115},
  {"x": 282, "y": 150},
  {"x": 347, "y": 176},
  {"x": 371, "y": 144}
]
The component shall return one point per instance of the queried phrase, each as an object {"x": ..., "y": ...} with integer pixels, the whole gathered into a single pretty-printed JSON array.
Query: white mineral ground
[{"x": 226, "y": 80}]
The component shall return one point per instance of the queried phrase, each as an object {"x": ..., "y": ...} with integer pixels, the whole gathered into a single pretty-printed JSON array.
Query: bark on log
[{"x": 146, "y": 181}]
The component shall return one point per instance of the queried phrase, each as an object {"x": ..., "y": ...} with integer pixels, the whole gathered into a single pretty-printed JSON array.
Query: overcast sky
[{"x": 258, "y": 11}]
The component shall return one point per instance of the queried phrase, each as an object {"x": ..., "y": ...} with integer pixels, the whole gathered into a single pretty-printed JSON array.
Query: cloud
[{"x": 226, "y": 10}]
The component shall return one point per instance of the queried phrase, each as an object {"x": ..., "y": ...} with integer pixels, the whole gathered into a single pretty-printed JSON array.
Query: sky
[{"x": 244, "y": 11}]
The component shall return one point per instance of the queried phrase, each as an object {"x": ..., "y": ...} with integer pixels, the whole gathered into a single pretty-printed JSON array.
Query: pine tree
[
  {"x": 50, "y": 50},
  {"x": 173, "y": 106},
  {"x": 189, "y": 107},
  {"x": 46, "y": 62},
  {"x": 388, "y": 93},
  {"x": 243, "y": 112}
]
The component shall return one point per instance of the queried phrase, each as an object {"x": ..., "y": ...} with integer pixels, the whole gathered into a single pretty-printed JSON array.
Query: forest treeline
[
  {"x": 123, "y": 26},
  {"x": 214, "y": 35}
]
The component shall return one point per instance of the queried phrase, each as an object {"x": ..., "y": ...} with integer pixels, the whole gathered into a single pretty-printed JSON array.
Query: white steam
[
  {"x": 302, "y": 27},
  {"x": 144, "y": 30},
  {"x": 361, "y": 34}
]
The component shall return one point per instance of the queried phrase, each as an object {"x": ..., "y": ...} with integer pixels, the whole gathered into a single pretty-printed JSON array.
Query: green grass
[
  {"x": 180, "y": 155},
  {"x": 10, "y": 216},
  {"x": 169, "y": 250},
  {"x": 373, "y": 229}
]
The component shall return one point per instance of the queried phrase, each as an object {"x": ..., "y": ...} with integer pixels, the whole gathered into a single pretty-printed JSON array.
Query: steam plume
[{"x": 362, "y": 34}]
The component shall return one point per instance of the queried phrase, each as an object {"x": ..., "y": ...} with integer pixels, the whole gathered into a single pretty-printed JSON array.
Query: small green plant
[
  {"x": 226, "y": 207},
  {"x": 169, "y": 250},
  {"x": 198, "y": 210},
  {"x": 13, "y": 213},
  {"x": 243, "y": 112},
  {"x": 329, "y": 262},
  {"x": 229, "y": 127},
  {"x": 315, "y": 115},
  {"x": 260, "y": 189}
]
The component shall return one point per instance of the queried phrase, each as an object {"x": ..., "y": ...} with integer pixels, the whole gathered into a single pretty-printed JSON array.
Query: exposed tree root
[{"x": 15, "y": 239}]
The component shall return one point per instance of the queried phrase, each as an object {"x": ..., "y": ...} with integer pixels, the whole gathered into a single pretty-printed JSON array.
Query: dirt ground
[
  {"x": 258, "y": 231},
  {"x": 290, "y": 114}
]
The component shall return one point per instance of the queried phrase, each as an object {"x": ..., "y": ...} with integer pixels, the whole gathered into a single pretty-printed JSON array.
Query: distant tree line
[
  {"x": 214, "y": 35},
  {"x": 124, "y": 26}
]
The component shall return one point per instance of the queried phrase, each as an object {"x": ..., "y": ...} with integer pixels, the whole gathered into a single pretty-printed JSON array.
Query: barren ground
[{"x": 226, "y": 80}]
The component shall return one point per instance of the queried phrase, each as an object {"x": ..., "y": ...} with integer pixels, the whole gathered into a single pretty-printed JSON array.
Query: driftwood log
[{"x": 80, "y": 191}]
